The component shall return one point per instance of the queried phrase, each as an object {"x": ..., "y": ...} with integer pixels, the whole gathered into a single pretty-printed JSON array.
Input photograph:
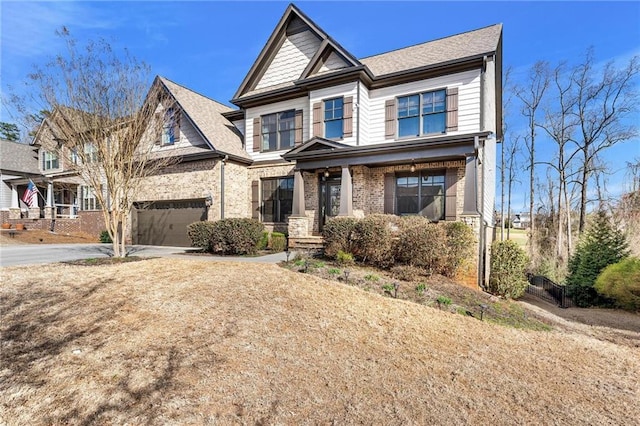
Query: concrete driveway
[
  {"x": 28, "y": 254},
  {"x": 31, "y": 254}
]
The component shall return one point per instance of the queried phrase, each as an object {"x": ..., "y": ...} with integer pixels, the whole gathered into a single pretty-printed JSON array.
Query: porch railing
[{"x": 67, "y": 211}]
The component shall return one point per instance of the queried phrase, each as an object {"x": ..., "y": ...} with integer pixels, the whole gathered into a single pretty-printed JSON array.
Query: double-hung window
[
  {"x": 277, "y": 199},
  {"x": 88, "y": 199},
  {"x": 50, "y": 160},
  {"x": 422, "y": 114},
  {"x": 91, "y": 153},
  {"x": 278, "y": 130},
  {"x": 421, "y": 194},
  {"x": 333, "y": 117}
]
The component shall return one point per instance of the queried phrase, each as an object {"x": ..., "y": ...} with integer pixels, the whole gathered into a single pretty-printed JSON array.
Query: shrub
[
  {"x": 264, "y": 241},
  {"x": 601, "y": 245},
  {"x": 236, "y": 236},
  {"x": 200, "y": 234},
  {"x": 407, "y": 272},
  {"x": 278, "y": 242},
  {"x": 344, "y": 259},
  {"x": 508, "y": 262},
  {"x": 337, "y": 234},
  {"x": 373, "y": 239},
  {"x": 460, "y": 246},
  {"x": 621, "y": 283},
  {"x": 422, "y": 244},
  {"x": 105, "y": 237},
  {"x": 443, "y": 300}
]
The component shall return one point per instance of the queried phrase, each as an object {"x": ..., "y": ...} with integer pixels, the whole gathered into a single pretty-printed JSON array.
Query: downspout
[
  {"x": 222, "y": 164},
  {"x": 358, "y": 116}
]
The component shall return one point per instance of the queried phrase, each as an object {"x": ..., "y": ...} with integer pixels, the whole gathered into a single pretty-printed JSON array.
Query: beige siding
[
  {"x": 348, "y": 89},
  {"x": 468, "y": 84},
  {"x": 364, "y": 109},
  {"x": 251, "y": 113},
  {"x": 292, "y": 58},
  {"x": 333, "y": 62},
  {"x": 189, "y": 135},
  {"x": 239, "y": 124},
  {"x": 489, "y": 179}
]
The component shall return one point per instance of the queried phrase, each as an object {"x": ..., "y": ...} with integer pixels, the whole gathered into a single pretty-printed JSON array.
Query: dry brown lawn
[
  {"x": 38, "y": 236},
  {"x": 172, "y": 341}
]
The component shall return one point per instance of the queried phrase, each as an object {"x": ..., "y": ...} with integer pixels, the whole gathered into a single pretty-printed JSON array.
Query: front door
[{"x": 329, "y": 198}]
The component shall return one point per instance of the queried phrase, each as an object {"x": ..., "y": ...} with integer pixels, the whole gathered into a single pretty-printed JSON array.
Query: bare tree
[
  {"x": 603, "y": 102},
  {"x": 513, "y": 148},
  {"x": 102, "y": 123},
  {"x": 559, "y": 126},
  {"x": 531, "y": 94},
  {"x": 506, "y": 107}
]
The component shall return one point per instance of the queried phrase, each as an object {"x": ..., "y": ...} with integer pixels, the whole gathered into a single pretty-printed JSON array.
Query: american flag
[{"x": 30, "y": 196}]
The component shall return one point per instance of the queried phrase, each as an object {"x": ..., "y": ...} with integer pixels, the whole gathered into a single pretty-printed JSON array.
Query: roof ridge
[
  {"x": 194, "y": 92},
  {"x": 431, "y": 41}
]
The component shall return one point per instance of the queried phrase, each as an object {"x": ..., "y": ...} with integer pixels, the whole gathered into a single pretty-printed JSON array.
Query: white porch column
[
  {"x": 346, "y": 193},
  {"x": 49, "y": 194},
  {"x": 14, "y": 197}
]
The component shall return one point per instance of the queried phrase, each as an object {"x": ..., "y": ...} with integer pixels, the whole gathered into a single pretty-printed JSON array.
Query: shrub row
[
  {"x": 388, "y": 240},
  {"x": 234, "y": 236}
]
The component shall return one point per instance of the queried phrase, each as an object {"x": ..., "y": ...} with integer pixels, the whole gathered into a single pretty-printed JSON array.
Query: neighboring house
[
  {"x": 521, "y": 220},
  {"x": 18, "y": 164}
]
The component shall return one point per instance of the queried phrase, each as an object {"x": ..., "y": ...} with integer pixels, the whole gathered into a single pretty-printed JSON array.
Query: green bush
[
  {"x": 600, "y": 246},
  {"x": 236, "y": 236},
  {"x": 200, "y": 234},
  {"x": 278, "y": 242},
  {"x": 337, "y": 234},
  {"x": 620, "y": 282},
  {"x": 460, "y": 246},
  {"x": 105, "y": 237},
  {"x": 373, "y": 239},
  {"x": 344, "y": 258},
  {"x": 508, "y": 262},
  {"x": 422, "y": 244},
  {"x": 264, "y": 241}
]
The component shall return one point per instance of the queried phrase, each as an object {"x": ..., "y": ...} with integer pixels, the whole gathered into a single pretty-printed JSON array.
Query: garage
[{"x": 164, "y": 223}]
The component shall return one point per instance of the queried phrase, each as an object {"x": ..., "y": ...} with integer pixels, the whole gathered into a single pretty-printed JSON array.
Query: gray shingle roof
[
  {"x": 18, "y": 157},
  {"x": 206, "y": 115},
  {"x": 465, "y": 45}
]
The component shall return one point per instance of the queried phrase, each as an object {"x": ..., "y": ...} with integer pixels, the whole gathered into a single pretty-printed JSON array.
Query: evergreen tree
[{"x": 600, "y": 246}]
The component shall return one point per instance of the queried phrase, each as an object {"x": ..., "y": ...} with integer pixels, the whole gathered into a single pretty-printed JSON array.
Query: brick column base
[
  {"x": 14, "y": 213},
  {"x": 34, "y": 213},
  {"x": 49, "y": 213}
]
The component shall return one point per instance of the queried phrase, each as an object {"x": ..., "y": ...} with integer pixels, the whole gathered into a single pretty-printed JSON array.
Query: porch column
[
  {"x": 14, "y": 197},
  {"x": 14, "y": 210},
  {"x": 298, "y": 209},
  {"x": 346, "y": 193},
  {"x": 48, "y": 208},
  {"x": 298, "y": 221}
]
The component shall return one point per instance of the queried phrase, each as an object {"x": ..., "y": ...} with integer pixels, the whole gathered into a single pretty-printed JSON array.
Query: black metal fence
[{"x": 546, "y": 289}]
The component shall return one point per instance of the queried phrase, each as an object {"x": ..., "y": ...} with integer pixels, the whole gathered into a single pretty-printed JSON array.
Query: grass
[{"x": 197, "y": 342}]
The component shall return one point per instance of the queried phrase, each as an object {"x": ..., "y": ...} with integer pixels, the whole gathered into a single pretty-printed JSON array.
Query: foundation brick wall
[{"x": 87, "y": 222}]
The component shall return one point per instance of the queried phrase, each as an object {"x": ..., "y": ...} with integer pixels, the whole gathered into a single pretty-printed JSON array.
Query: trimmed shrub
[
  {"x": 337, "y": 233},
  {"x": 508, "y": 263},
  {"x": 620, "y": 282},
  {"x": 373, "y": 239},
  {"x": 422, "y": 244},
  {"x": 460, "y": 245},
  {"x": 278, "y": 242},
  {"x": 200, "y": 234},
  {"x": 105, "y": 237},
  {"x": 236, "y": 236},
  {"x": 600, "y": 246}
]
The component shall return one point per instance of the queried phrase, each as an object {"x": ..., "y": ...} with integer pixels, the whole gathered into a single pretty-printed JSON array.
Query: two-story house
[{"x": 411, "y": 131}]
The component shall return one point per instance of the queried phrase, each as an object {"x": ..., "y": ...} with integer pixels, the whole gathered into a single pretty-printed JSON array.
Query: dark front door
[{"x": 329, "y": 198}]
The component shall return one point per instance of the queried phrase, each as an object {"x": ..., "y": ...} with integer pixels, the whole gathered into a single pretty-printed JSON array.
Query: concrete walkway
[{"x": 269, "y": 258}]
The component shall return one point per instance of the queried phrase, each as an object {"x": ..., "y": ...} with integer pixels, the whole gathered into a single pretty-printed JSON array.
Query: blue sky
[{"x": 209, "y": 46}]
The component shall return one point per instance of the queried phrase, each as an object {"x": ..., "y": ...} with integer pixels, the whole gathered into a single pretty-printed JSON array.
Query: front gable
[
  {"x": 315, "y": 144},
  {"x": 296, "y": 49}
]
